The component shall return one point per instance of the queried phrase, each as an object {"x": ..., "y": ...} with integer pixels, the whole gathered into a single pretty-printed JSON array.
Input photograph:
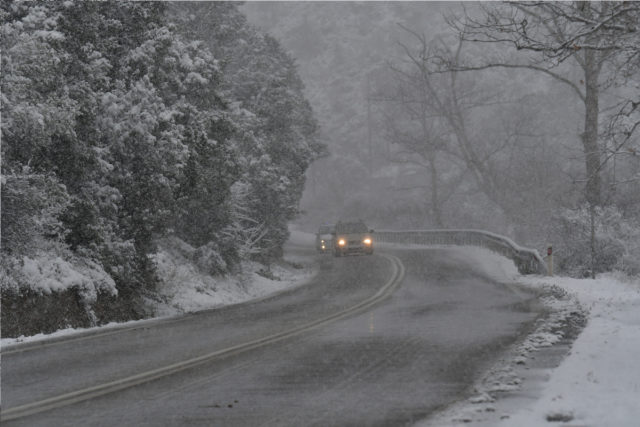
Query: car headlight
[
  {"x": 322, "y": 241},
  {"x": 341, "y": 242},
  {"x": 367, "y": 241}
]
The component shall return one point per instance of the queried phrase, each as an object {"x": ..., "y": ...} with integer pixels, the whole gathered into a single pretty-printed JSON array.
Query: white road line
[
  {"x": 123, "y": 383},
  {"x": 95, "y": 333},
  {"x": 89, "y": 335}
]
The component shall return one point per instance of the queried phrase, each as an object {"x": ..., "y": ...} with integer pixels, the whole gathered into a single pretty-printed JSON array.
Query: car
[
  {"x": 350, "y": 238},
  {"x": 324, "y": 238}
]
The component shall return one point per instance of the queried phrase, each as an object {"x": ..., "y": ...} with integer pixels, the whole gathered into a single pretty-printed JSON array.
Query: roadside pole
[{"x": 549, "y": 261}]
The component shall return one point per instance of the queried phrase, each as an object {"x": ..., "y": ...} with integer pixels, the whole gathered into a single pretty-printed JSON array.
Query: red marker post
[{"x": 550, "y": 261}]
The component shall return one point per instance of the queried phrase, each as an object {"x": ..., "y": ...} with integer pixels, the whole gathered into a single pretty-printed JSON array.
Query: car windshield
[{"x": 351, "y": 227}]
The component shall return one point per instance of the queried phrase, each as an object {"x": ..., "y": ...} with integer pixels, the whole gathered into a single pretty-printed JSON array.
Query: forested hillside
[
  {"x": 133, "y": 129},
  {"x": 518, "y": 119},
  {"x": 125, "y": 124}
]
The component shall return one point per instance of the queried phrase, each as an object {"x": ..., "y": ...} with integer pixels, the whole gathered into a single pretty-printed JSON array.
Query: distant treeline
[{"x": 127, "y": 122}]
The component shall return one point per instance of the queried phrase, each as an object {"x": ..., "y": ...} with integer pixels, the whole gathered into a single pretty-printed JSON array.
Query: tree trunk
[
  {"x": 590, "y": 135},
  {"x": 592, "y": 239},
  {"x": 436, "y": 209}
]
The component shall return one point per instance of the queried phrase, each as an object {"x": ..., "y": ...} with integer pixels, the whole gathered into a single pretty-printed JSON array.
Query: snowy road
[{"x": 390, "y": 365}]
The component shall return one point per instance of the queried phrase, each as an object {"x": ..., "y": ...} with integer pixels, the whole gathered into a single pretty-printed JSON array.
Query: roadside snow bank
[
  {"x": 597, "y": 383},
  {"x": 482, "y": 260},
  {"x": 47, "y": 272},
  {"x": 51, "y": 288},
  {"x": 185, "y": 288}
]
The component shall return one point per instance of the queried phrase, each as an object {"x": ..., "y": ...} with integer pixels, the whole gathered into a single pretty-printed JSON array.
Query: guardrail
[{"x": 528, "y": 261}]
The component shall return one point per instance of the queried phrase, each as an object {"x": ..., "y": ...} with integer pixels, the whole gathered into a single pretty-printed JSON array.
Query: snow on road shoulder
[
  {"x": 184, "y": 288},
  {"x": 594, "y": 380},
  {"x": 599, "y": 381},
  {"x": 482, "y": 260},
  {"x": 188, "y": 290}
]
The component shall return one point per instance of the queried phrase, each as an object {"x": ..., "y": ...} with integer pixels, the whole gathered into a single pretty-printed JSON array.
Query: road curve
[
  {"x": 97, "y": 390},
  {"x": 343, "y": 350}
]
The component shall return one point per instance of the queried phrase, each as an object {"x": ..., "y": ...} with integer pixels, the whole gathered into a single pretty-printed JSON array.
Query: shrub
[{"x": 612, "y": 246}]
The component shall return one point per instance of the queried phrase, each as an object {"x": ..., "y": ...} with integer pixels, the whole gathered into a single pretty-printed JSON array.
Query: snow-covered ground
[
  {"x": 595, "y": 381},
  {"x": 184, "y": 288}
]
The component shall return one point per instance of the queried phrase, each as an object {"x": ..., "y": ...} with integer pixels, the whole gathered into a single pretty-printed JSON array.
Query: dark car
[
  {"x": 324, "y": 238},
  {"x": 352, "y": 238}
]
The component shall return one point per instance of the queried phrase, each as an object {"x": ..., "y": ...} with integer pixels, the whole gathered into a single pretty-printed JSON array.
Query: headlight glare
[
  {"x": 367, "y": 241},
  {"x": 341, "y": 242}
]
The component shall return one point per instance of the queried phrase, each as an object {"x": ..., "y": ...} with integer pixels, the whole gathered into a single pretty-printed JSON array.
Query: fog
[
  {"x": 188, "y": 175},
  {"x": 413, "y": 145},
  {"x": 204, "y": 129}
]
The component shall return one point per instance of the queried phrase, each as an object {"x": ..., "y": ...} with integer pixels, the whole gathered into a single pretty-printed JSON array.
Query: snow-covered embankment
[
  {"x": 184, "y": 288},
  {"x": 596, "y": 380}
]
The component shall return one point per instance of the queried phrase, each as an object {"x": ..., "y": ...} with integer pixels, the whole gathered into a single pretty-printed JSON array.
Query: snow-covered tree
[
  {"x": 276, "y": 129},
  {"x": 588, "y": 34},
  {"x": 119, "y": 130}
]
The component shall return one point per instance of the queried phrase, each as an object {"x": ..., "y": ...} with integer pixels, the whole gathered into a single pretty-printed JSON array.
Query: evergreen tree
[{"x": 276, "y": 128}]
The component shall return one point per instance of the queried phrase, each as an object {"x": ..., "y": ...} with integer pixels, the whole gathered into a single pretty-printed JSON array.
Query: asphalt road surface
[{"x": 405, "y": 351}]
